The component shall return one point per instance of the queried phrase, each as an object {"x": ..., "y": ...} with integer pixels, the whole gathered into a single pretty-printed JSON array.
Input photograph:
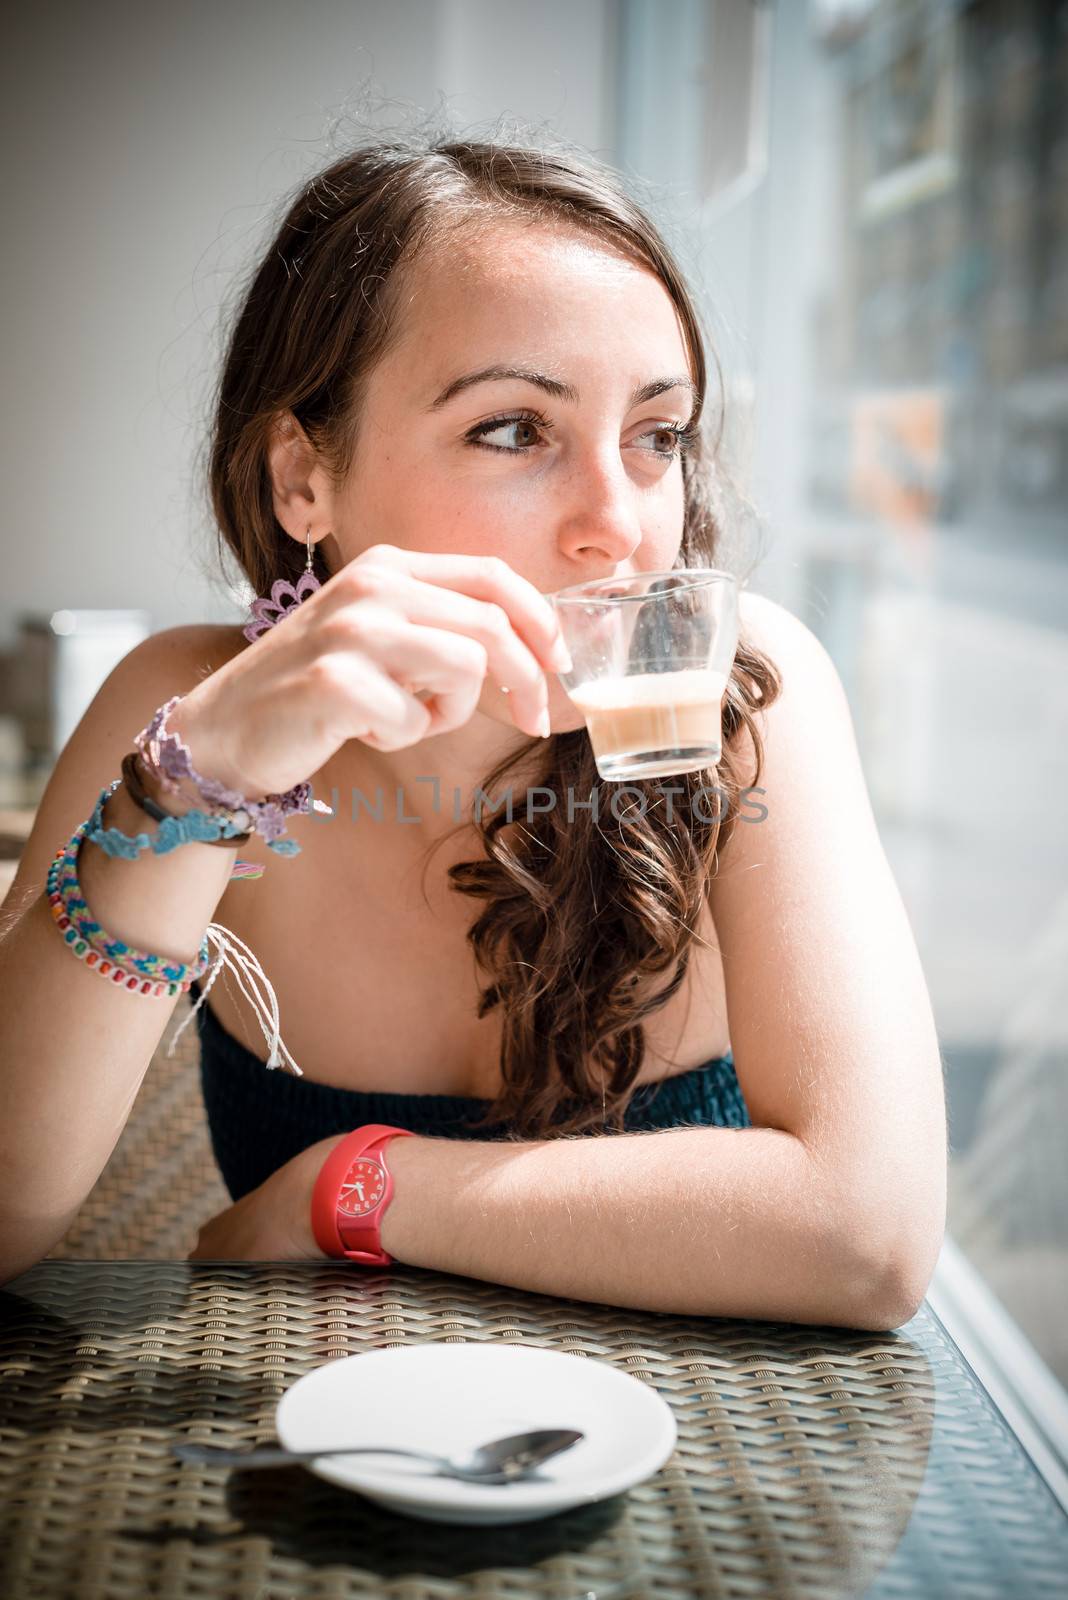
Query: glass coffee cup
[{"x": 650, "y": 657}]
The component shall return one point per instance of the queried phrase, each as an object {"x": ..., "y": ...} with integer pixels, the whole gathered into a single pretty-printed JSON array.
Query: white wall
[{"x": 146, "y": 150}]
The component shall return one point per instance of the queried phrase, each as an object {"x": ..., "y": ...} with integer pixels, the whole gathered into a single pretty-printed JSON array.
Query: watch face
[{"x": 363, "y": 1187}]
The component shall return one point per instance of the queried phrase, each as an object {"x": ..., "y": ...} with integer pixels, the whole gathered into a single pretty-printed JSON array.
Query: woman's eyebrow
[{"x": 553, "y": 386}]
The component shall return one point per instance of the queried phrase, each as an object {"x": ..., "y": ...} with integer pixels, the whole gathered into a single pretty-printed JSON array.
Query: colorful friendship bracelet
[
  {"x": 136, "y": 970},
  {"x": 114, "y": 970},
  {"x": 153, "y": 975},
  {"x": 247, "y": 869},
  {"x": 70, "y": 903},
  {"x": 64, "y": 872},
  {"x": 91, "y": 943}
]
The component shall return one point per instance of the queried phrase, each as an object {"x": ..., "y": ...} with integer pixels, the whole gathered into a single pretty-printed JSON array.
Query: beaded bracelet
[
  {"x": 159, "y": 975},
  {"x": 169, "y": 758},
  {"x": 123, "y": 964}
]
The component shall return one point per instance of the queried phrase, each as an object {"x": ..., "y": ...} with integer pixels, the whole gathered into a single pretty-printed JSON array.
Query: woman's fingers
[
  {"x": 358, "y": 658},
  {"x": 486, "y": 578},
  {"x": 449, "y": 668},
  {"x": 386, "y": 621},
  {"x": 372, "y": 693},
  {"x": 365, "y": 703}
]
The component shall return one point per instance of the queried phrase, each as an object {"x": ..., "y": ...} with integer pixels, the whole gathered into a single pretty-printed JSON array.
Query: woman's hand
[
  {"x": 350, "y": 662},
  {"x": 273, "y": 1222}
]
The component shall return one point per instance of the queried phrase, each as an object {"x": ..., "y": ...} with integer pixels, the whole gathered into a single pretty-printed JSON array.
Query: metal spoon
[{"x": 499, "y": 1461}]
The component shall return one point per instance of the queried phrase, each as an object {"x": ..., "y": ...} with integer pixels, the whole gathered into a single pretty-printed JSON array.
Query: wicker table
[{"x": 810, "y": 1461}]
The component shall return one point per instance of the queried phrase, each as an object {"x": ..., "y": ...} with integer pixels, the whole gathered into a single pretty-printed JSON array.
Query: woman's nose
[{"x": 600, "y": 515}]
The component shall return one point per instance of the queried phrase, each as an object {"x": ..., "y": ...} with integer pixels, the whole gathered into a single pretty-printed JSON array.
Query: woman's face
[{"x": 565, "y": 486}]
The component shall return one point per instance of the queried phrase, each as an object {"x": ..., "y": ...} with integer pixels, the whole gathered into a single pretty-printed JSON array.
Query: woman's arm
[
  {"x": 705, "y": 1221},
  {"x": 73, "y": 1048},
  {"x": 831, "y": 1023},
  {"x": 832, "y": 1207},
  {"x": 711, "y": 1222}
]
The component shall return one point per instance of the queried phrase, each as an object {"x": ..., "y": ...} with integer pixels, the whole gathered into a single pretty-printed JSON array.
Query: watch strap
[{"x": 365, "y": 1142}]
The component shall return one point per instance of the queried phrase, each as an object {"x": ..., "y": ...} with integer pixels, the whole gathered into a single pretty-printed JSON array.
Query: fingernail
[
  {"x": 544, "y": 726},
  {"x": 561, "y": 657}
]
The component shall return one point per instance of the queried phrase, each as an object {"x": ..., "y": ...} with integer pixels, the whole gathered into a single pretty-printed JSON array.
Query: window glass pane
[{"x": 889, "y": 296}]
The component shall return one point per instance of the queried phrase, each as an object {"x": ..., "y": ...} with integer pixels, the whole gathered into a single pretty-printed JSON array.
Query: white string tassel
[{"x": 235, "y": 954}]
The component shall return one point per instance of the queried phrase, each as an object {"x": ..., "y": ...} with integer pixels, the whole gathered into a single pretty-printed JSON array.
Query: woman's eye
[
  {"x": 525, "y": 426},
  {"x": 673, "y": 435}
]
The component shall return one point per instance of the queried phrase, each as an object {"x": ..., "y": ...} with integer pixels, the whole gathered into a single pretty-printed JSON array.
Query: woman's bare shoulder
[
  {"x": 167, "y": 663},
  {"x": 808, "y": 675},
  {"x": 200, "y": 648},
  {"x": 771, "y": 628}
]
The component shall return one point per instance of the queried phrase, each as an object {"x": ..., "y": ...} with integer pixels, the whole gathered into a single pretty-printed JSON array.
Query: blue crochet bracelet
[{"x": 169, "y": 834}]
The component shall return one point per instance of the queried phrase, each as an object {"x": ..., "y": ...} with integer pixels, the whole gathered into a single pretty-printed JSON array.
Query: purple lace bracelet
[{"x": 170, "y": 759}]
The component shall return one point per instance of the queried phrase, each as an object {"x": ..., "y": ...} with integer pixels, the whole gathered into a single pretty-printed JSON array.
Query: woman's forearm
[
  {"x": 706, "y": 1221},
  {"x": 74, "y": 1048}
]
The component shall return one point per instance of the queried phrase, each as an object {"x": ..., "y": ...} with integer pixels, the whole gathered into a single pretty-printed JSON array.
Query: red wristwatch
[{"x": 351, "y": 1194}]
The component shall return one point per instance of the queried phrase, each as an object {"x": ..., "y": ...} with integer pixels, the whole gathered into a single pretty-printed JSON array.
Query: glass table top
[{"x": 810, "y": 1461}]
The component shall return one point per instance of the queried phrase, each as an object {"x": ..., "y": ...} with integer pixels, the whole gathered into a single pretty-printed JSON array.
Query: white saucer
[{"x": 450, "y": 1398}]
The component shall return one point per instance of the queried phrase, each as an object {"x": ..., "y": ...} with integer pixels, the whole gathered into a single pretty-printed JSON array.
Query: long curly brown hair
[{"x": 582, "y": 916}]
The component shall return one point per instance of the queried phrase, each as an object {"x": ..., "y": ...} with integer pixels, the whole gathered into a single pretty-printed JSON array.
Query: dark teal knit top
[{"x": 259, "y": 1118}]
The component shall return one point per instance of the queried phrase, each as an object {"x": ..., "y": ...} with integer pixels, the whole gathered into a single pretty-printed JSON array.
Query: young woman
[{"x": 465, "y": 376}]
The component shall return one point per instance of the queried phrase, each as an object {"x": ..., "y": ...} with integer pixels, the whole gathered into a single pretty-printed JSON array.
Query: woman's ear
[{"x": 302, "y": 495}]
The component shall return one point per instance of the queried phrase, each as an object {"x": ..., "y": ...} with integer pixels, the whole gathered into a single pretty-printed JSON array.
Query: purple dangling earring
[{"x": 268, "y": 610}]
